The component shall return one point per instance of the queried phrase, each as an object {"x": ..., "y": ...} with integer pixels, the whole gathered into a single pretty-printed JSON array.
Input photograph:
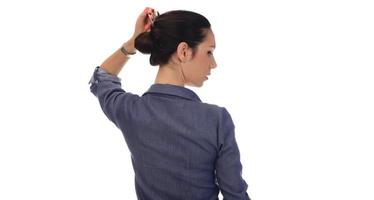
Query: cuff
[{"x": 101, "y": 75}]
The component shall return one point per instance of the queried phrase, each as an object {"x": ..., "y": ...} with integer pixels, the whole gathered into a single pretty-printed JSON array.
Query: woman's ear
[{"x": 183, "y": 52}]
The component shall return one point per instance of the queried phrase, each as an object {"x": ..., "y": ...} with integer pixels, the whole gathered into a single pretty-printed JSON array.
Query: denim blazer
[{"x": 181, "y": 148}]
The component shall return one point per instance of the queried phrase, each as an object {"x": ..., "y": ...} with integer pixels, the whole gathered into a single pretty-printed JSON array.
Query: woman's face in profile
[{"x": 199, "y": 67}]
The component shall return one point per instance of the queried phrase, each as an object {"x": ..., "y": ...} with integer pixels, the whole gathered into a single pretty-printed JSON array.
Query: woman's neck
[{"x": 169, "y": 74}]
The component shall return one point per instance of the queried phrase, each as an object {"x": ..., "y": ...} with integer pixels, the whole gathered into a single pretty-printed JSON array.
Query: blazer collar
[{"x": 175, "y": 90}]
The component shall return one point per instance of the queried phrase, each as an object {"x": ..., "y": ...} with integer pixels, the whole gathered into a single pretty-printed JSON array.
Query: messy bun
[
  {"x": 144, "y": 43},
  {"x": 167, "y": 31}
]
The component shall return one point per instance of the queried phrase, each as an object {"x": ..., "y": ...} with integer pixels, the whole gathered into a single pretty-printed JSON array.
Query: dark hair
[{"x": 168, "y": 30}]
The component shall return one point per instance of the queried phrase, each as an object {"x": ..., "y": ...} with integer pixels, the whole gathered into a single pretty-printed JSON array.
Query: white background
[{"x": 296, "y": 76}]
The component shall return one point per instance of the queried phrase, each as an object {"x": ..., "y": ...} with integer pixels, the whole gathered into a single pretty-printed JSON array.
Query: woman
[{"x": 181, "y": 148}]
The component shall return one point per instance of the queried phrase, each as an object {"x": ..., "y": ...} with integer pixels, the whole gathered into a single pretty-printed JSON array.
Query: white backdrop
[{"x": 296, "y": 76}]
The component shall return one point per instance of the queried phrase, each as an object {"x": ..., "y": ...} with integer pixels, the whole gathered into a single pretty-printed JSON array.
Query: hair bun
[{"x": 144, "y": 43}]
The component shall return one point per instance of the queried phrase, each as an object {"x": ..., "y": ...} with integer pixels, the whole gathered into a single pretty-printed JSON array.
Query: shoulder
[
  {"x": 220, "y": 116},
  {"x": 220, "y": 110},
  {"x": 211, "y": 107},
  {"x": 219, "y": 113}
]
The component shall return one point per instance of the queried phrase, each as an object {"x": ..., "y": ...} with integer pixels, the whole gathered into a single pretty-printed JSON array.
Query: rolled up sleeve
[
  {"x": 115, "y": 102},
  {"x": 228, "y": 165}
]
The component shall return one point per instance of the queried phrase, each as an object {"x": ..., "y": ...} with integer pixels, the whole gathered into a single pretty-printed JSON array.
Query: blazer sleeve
[
  {"x": 228, "y": 165},
  {"x": 115, "y": 102}
]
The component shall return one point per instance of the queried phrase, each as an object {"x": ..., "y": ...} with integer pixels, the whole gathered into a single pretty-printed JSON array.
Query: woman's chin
[{"x": 196, "y": 84}]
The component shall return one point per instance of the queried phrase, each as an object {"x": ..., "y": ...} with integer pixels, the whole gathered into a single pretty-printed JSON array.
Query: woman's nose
[{"x": 214, "y": 64}]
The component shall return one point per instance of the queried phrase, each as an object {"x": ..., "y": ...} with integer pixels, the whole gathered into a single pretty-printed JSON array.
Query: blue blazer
[{"x": 181, "y": 148}]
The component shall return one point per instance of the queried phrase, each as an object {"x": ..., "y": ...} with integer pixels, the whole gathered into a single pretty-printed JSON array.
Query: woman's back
[{"x": 172, "y": 137}]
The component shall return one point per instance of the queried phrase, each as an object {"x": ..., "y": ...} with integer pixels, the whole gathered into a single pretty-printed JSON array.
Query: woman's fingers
[
  {"x": 144, "y": 21},
  {"x": 150, "y": 12}
]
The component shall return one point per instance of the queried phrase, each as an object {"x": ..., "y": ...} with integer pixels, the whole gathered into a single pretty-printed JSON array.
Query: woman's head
[
  {"x": 176, "y": 33},
  {"x": 168, "y": 30}
]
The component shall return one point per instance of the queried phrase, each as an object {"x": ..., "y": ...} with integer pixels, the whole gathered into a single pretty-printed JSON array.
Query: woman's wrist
[{"x": 129, "y": 46}]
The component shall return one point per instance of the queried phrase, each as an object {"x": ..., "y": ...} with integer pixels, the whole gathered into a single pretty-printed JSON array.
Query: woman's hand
[
  {"x": 114, "y": 63},
  {"x": 144, "y": 21}
]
